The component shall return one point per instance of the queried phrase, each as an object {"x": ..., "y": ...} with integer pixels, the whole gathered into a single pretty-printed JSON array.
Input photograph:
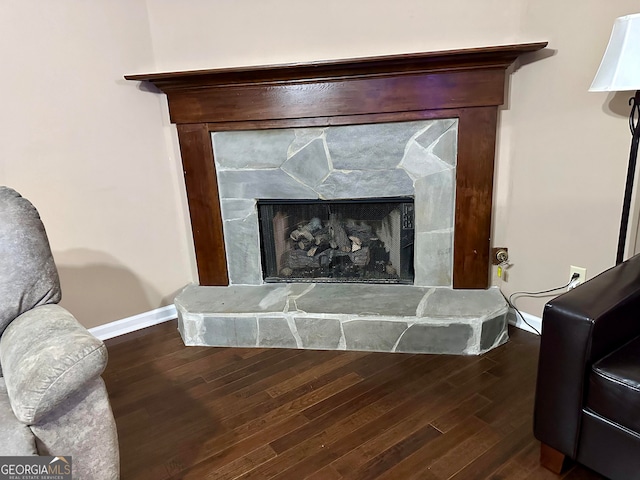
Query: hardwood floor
[{"x": 227, "y": 413}]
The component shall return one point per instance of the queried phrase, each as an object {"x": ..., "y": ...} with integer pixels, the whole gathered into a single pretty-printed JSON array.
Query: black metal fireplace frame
[{"x": 270, "y": 267}]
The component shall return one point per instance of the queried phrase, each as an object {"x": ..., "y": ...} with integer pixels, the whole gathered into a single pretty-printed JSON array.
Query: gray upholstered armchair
[{"x": 52, "y": 398}]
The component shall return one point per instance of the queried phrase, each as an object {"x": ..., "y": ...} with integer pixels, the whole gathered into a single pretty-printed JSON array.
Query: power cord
[
  {"x": 510, "y": 300},
  {"x": 518, "y": 312}
]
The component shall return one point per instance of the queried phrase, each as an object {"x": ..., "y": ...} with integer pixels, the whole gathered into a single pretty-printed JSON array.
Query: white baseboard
[
  {"x": 136, "y": 322},
  {"x": 535, "y": 322}
]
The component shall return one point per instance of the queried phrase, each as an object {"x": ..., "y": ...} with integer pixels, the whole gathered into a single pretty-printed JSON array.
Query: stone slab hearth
[{"x": 382, "y": 318}]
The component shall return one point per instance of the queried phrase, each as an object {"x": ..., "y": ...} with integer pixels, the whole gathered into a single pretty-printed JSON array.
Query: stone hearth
[{"x": 382, "y": 318}]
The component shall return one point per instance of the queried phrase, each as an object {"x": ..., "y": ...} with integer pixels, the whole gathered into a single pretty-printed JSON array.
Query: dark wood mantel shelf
[{"x": 465, "y": 84}]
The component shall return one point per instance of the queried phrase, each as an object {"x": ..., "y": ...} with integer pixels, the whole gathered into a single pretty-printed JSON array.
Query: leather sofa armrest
[
  {"x": 46, "y": 357},
  {"x": 578, "y": 328}
]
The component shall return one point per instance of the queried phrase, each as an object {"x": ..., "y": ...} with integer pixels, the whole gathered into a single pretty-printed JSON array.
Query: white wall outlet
[{"x": 582, "y": 276}]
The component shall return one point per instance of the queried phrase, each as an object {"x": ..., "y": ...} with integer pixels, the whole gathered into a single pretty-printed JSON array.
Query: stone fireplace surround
[
  {"x": 412, "y": 159},
  {"x": 467, "y": 85}
]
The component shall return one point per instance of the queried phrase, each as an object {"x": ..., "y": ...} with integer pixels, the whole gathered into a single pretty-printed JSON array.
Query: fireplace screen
[{"x": 367, "y": 241}]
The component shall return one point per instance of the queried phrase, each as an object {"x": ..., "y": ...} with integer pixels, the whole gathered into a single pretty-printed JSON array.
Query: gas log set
[
  {"x": 337, "y": 241},
  {"x": 336, "y": 249}
]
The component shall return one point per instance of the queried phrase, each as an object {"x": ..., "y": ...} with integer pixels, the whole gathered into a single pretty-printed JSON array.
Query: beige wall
[
  {"x": 562, "y": 170},
  {"x": 97, "y": 155},
  {"x": 87, "y": 147},
  {"x": 562, "y": 151},
  {"x": 210, "y": 34}
]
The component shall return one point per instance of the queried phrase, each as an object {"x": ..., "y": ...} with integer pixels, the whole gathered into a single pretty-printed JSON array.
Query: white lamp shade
[{"x": 620, "y": 67}]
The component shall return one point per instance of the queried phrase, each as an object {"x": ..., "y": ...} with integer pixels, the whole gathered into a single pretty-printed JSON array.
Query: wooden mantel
[{"x": 466, "y": 84}]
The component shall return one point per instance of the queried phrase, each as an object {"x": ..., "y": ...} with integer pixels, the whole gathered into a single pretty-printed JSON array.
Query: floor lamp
[{"x": 619, "y": 71}]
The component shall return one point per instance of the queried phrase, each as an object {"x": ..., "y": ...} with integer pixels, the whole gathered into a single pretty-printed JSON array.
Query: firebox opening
[{"x": 362, "y": 241}]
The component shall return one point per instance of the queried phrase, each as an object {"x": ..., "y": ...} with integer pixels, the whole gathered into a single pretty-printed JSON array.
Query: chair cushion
[
  {"x": 15, "y": 438},
  {"x": 46, "y": 356},
  {"x": 28, "y": 276},
  {"x": 614, "y": 386}
]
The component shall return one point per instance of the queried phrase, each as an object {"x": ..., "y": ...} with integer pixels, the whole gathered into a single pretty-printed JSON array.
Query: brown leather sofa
[{"x": 587, "y": 405}]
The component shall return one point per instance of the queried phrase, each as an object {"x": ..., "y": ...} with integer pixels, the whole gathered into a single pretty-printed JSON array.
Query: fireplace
[
  {"x": 299, "y": 130},
  {"x": 358, "y": 241},
  {"x": 467, "y": 84}
]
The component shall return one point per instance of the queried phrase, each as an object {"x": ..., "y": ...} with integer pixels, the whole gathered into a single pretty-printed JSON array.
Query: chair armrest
[
  {"x": 578, "y": 328},
  {"x": 46, "y": 356}
]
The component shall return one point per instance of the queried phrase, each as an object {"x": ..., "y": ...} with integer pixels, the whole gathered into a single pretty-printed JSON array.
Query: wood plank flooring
[{"x": 231, "y": 413}]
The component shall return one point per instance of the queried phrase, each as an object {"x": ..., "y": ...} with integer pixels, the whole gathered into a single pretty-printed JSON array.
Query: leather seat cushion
[{"x": 614, "y": 386}]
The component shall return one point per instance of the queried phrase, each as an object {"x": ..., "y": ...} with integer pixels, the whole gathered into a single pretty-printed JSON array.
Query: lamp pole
[
  {"x": 619, "y": 71},
  {"x": 634, "y": 119}
]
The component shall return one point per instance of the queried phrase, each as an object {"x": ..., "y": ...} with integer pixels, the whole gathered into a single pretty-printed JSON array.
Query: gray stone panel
[
  {"x": 365, "y": 147},
  {"x": 419, "y": 163},
  {"x": 275, "y": 332},
  {"x": 233, "y": 299},
  {"x": 371, "y": 334},
  {"x": 367, "y": 184},
  {"x": 320, "y": 333},
  {"x": 421, "y": 338},
  {"x": 433, "y": 262},
  {"x": 309, "y": 165},
  {"x": 237, "y": 208},
  {"x": 362, "y": 299},
  {"x": 494, "y": 330},
  {"x": 190, "y": 329},
  {"x": 261, "y": 184},
  {"x": 251, "y": 149},
  {"x": 230, "y": 331},
  {"x": 435, "y": 131},
  {"x": 243, "y": 259},
  {"x": 445, "y": 302},
  {"x": 435, "y": 208},
  {"x": 447, "y": 147},
  {"x": 303, "y": 137}
]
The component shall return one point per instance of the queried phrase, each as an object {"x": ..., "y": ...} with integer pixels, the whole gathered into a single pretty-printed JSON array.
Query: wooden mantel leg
[
  {"x": 552, "y": 459},
  {"x": 196, "y": 150}
]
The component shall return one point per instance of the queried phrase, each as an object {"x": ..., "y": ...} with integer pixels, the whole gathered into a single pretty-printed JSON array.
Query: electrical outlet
[
  {"x": 499, "y": 255},
  {"x": 582, "y": 272}
]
